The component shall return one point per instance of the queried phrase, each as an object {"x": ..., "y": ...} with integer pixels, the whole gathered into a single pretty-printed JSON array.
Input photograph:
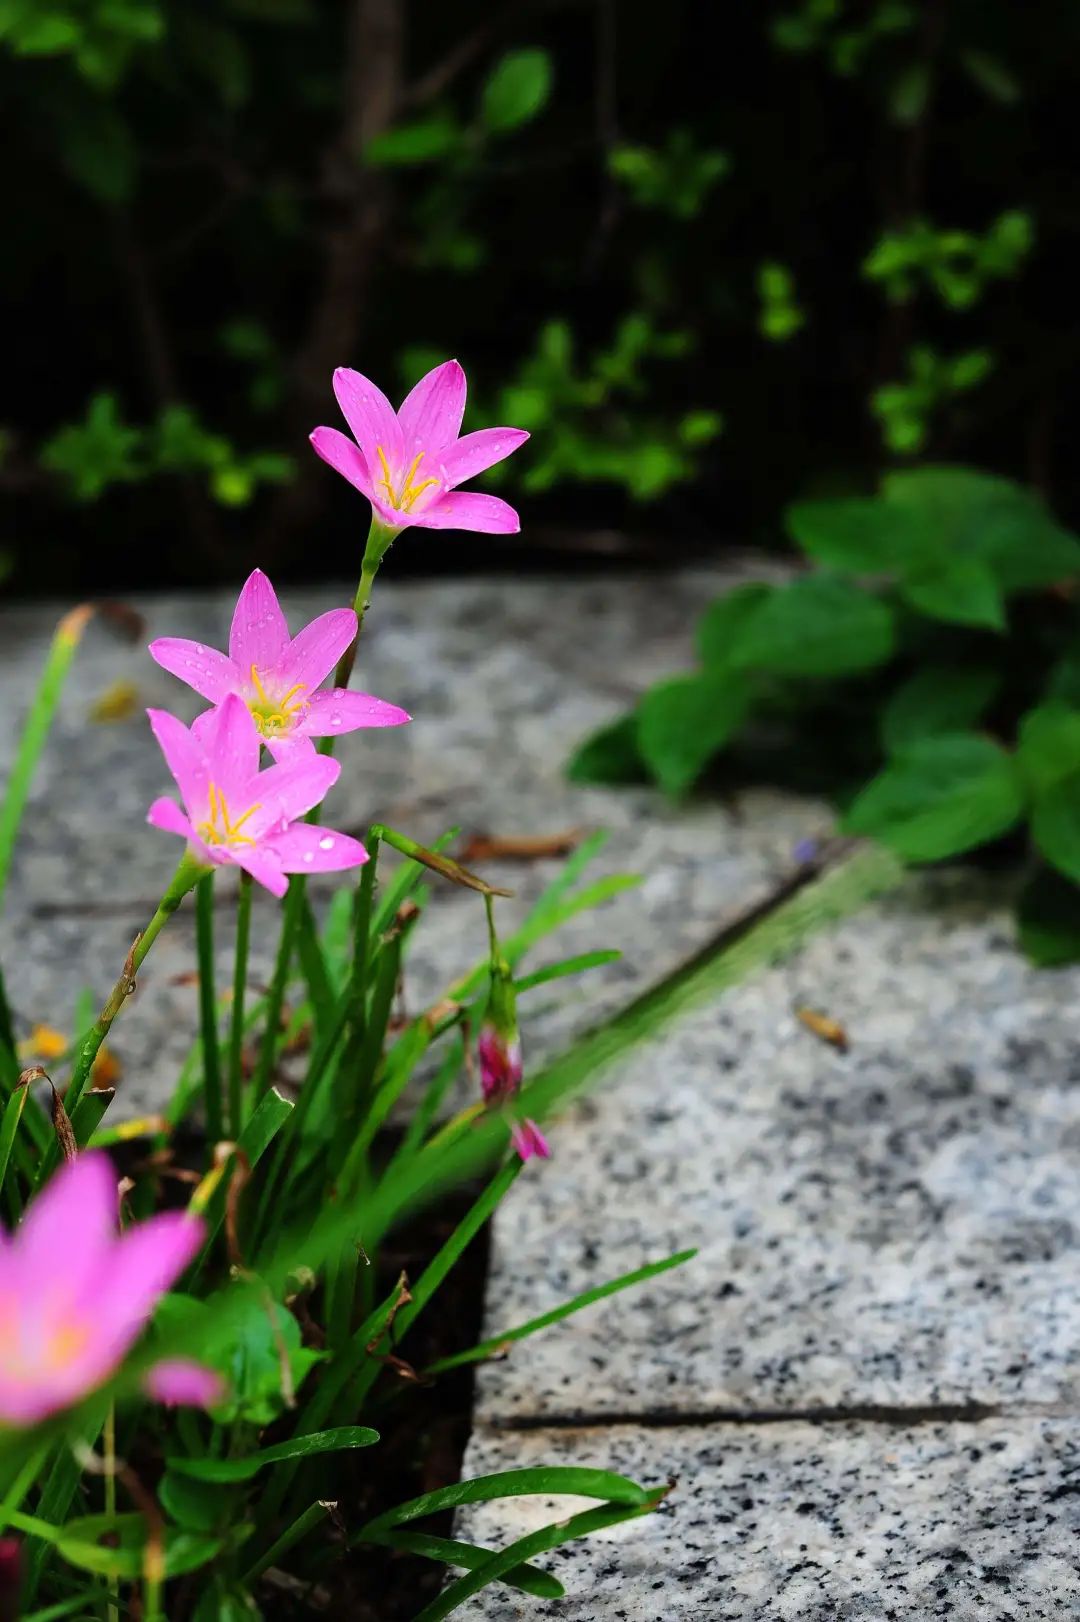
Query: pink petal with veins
[
  {"x": 431, "y": 412},
  {"x": 468, "y": 509},
  {"x": 315, "y": 650},
  {"x": 258, "y": 633},
  {"x": 344, "y": 457},
  {"x": 339, "y": 710},
  {"x": 475, "y": 452},
  {"x": 371, "y": 417},
  {"x": 209, "y": 672}
]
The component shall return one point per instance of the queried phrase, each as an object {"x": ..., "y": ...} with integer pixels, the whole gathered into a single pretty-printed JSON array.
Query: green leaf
[
  {"x": 197, "y": 1506},
  {"x": 496, "y": 1343},
  {"x": 941, "y": 698},
  {"x": 79, "y": 1543},
  {"x": 1048, "y": 746},
  {"x": 222, "y": 1604},
  {"x": 547, "y": 1537},
  {"x": 547, "y": 1480},
  {"x": 1055, "y": 826},
  {"x": 298, "y": 1447},
  {"x": 817, "y": 626},
  {"x": 423, "y": 141},
  {"x": 566, "y": 966},
  {"x": 1048, "y": 920},
  {"x": 609, "y": 755},
  {"x": 858, "y": 535},
  {"x": 516, "y": 89},
  {"x": 683, "y": 722},
  {"x": 962, "y": 591},
  {"x": 969, "y": 514},
  {"x": 250, "y": 1362},
  {"x": 940, "y": 796},
  {"x": 529, "y": 1579},
  {"x": 724, "y": 619}
]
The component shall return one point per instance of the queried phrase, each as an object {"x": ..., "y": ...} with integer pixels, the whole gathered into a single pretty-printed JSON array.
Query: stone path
[{"x": 865, "y": 1384}]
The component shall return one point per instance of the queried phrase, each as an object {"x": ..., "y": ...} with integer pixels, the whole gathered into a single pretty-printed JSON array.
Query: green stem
[
  {"x": 275, "y": 997},
  {"x": 20, "y": 1487},
  {"x": 109, "y": 1440},
  {"x": 185, "y": 878},
  {"x": 378, "y": 542},
  {"x": 236, "y": 1043},
  {"x": 208, "y": 1016}
]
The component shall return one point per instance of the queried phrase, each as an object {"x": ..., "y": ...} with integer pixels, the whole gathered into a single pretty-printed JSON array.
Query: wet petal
[
  {"x": 338, "y": 710},
  {"x": 231, "y": 743},
  {"x": 468, "y": 509},
  {"x": 167, "y": 815},
  {"x": 471, "y": 455},
  {"x": 285, "y": 792},
  {"x": 344, "y": 457},
  {"x": 431, "y": 412},
  {"x": 184, "y": 758},
  {"x": 264, "y": 868},
  {"x": 371, "y": 417},
  {"x": 259, "y": 634},
  {"x": 209, "y": 672},
  {"x": 316, "y": 649},
  {"x": 307, "y": 848}
]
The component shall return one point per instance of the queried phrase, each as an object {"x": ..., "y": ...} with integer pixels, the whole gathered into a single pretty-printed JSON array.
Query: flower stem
[
  {"x": 211, "y": 1057},
  {"x": 185, "y": 878},
  {"x": 290, "y": 918},
  {"x": 378, "y": 543},
  {"x": 113, "y": 1605},
  {"x": 236, "y": 1043}
]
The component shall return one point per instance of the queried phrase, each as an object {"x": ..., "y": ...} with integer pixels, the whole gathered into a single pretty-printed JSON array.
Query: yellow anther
[
  {"x": 271, "y": 715},
  {"x": 220, "y": 829},
  {"x": 402, "y": 500}
]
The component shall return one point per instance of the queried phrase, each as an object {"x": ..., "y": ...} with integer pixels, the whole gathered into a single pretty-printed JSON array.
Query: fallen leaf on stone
[
  {"x": 118, "y": 702},
  {"x": 521, "y": 847},
  {"x": 824, "y": 1028}
]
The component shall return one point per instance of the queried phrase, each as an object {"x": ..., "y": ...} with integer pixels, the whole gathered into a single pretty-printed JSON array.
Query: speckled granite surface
[
  {"x": 807, "y": 1523},
  {"x": 503, "y": 679}
]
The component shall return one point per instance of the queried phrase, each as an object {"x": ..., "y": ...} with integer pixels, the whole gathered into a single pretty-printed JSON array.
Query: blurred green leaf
[
  {"x": 722, "y": 621},
  {"x": 423, "y": 141},
  {"x": 610, "y": 755},
  {"x": 1048, "y": 919},
  {"x": 940, "y": 698},
  {"x": 859, "y": 535},
  {"x": 939, "y": 797},
  {"x": 1048, "y": 746},
  {"x": 1055, "y": 825},
  {"x": 980, "y": 516},
  {"x": 682, "y": 723},
  {"x": 817, "y": 626},
  {"x": 960, "y": 590},
  {"x": 517, "y": 88}
]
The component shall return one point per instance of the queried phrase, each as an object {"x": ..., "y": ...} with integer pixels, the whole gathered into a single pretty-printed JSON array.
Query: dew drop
[
  {"x": 335, "y": 719},
  {"x": 326, "y": 843},
  {"x": 309, "y": 856}
]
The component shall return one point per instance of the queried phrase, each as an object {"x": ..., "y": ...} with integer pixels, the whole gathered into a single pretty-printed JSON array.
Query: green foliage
[
  {"x": 675, "y": 179},
  {"x": 906, "y": 409},
  {"x": 869, "y": 675},
  {"x": 780, "y": 316},
  {"x": 103, "y": 451},
  {"x": 101, "y": 36},
  {"x": 516, "y": 90},
  {"x": 958, "y": 265}
]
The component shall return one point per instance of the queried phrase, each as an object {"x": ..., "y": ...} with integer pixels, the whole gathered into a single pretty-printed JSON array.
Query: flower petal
[
  {"x": 469, "y": 509},
  {"x": 144, "y": 1263},
  {"x": 288, "y": 747},
  {"x": 179, "y": 1382},
  {"x": 231, "y": 743},
  {"x": 431, "y": 412},
  {"x": 528, "y": 1140},
  {"x": 337, "y": 710},
  {"x": 286, "y": 792},
  {"x": 69, "y": 1226},
  {"x": 184, "y": 758},
  {"x": 371, "y": 417},
  {"x": 167, "y": 815},
  {"x": 259, "y": 634},
  {"x": 210, "y": 673},
  {"x": 314, "y": 651},
  {"x": 307, "y": 848},
  {"x": 475, "y": 452},
  {"x": 344, "y": 457},
  {"x": 264, "y": 868}
]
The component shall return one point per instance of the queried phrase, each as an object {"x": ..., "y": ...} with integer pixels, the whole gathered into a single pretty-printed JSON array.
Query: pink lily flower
[
  {"x": 501, "y": 1071},
  {"x": 276, "y": 676},
  {"x": 178, "y": 1382},
  {"x": 409, "y": 463},
  {"x": 74, "y": 1294},
  {"x": 234, "y": 814}
]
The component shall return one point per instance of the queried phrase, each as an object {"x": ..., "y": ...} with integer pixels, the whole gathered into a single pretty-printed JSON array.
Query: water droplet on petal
[
  {"x": 335, "y": 719},
  {"x": 326, "y": 843},
  {"x": 309, "y": 856}
]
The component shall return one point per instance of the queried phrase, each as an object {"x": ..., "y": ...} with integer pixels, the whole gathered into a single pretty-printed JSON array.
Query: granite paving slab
[
  {"x": 801, "y": 1522},
  {"x": 503, "y": 679},
  {"x": 892, "y": 1225}
]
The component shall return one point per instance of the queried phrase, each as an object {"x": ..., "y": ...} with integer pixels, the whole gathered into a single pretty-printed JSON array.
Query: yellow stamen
[
  {"x": 273, "y": 716},
  {"x": 220, "y": 829},
  {"x": 402, "y": 500}
]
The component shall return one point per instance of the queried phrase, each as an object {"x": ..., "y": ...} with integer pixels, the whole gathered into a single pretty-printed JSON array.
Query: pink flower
[
  {"x": 277, "y": 677},
  {"x": 177, "y": 1382},
  {"x": 74, "y": 1294},
  {"x": 235, "y": 814},
  {"x": 528, "y": 1140},
  {"x": 410, "y": 462},
  {"x": 500, "y": 1081}
]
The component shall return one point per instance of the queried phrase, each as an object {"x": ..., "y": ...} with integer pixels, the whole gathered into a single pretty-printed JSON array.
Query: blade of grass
[
  {"x": 548, "y": 1537},
  {"x": 451, "y": 1552},
  {"x": 547, "y": 1480},
  {"x": 300, "y": 1528},
  {"x": 566, "y": 966},
  {"x": 488, "y": 1348},
  {"x": 236, "y": 1039},
  {"x": 208, "y": 1015}
]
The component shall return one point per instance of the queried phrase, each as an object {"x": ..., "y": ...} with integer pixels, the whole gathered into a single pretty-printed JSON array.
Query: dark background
[{"x": 212, "y": 203}]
